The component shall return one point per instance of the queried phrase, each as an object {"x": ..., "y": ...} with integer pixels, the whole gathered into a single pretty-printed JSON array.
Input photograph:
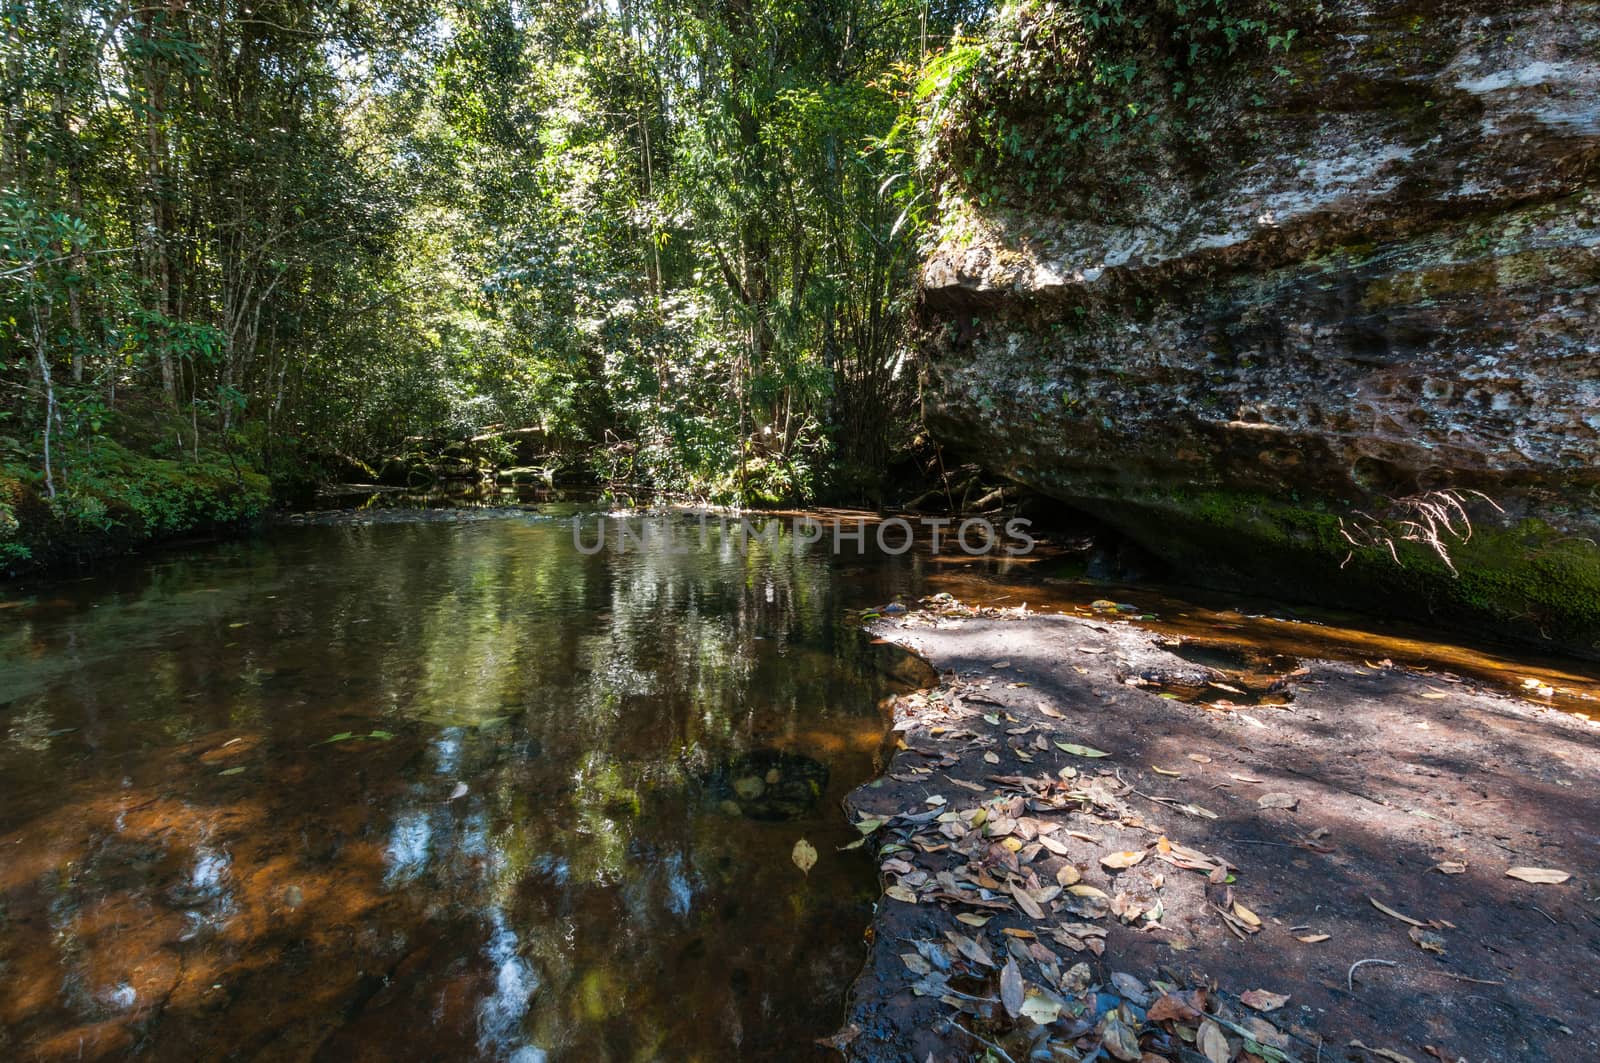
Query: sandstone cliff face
[{"x": 1384, "y": 280}]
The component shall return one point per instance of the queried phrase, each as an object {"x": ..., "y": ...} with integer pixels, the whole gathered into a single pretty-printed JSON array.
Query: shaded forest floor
[{"x": 1212, "y": 863}]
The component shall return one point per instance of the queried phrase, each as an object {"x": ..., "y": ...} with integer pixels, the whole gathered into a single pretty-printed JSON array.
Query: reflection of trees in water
[
  {"x": 606, "y": 867},
  {"x": 580, "y": 885}
]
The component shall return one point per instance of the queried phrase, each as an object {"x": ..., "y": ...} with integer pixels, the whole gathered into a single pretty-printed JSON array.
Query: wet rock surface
[
  {"x": 1384, "y": 281},
  {"x": 1221, "y": 860}
]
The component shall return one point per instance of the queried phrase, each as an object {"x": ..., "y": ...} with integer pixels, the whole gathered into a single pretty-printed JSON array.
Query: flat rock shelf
[{"x": 1394, "y": 865}]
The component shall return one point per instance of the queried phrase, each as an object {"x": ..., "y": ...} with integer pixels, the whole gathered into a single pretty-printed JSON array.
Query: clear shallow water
[{"x": 436, "y": 789}]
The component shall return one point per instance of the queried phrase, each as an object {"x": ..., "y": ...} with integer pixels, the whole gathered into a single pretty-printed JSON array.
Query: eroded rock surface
[{"x": 1384, "y": 280}]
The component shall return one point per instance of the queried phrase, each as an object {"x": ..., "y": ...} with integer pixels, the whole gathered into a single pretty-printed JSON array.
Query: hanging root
[{"x": 1436, "y": 519}]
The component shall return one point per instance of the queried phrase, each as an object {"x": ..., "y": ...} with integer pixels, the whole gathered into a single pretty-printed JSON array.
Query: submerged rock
[
  {"x": 1372, "y": 273},
  {"x": 767, "y": 784}
]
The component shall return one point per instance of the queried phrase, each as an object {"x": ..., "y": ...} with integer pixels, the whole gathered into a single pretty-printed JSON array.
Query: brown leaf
[
  {"x": 1262, "y": 1000},
  {"x": 1450, "y": 867},
  {"x": 1187, "y": 1006},
  {"x": 1427, "y": 940},
  {"x": 1211, "y": 1041},
  {"x": 1386, "y": 910},
  {"x": 1277, "y": 800},
  {"x": 1025, "y": 901},
  {"x": 1541, "y": 875},
  {"x": 1119, "y": 1037},
  {"x": 841, "y": 1039},
  {"x": 1011, "y": 989},
  {"x": 971, "y": 949}
]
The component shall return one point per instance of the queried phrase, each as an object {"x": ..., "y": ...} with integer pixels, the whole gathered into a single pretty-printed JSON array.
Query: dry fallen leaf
[
  {"x": 1245, "y": 914},
  {"x": 1542, "y": 875},
  {"x": 804, "y": 856},
  {"x": 1164, "y": 771},
  {"x": 1080, "y": 751},
  {"x": 1427, "y": 940},
  {"x": 1277, "y": 800},
  {"x": 1068, "y": 875},
  {"x": 916, "y": 964},
  {"x": 1450, "y": 867},
  {"x": 973, "y": 920},
  {"x": 1312, "y": 939},
  {"x": 1386, "y": 910},
  {"x": 1041, "y": 1010},
  {"x": 1210, "y": 1040},
  {"x": 1011, "y": 992},
  {"x": 1262, "y": 1000},
  {"x": 1119, "y": 860},
  {"x": 1186, "y": 1007},
  {"x": 1199, "y": 758},
  {"x": 900, "y": 893}
]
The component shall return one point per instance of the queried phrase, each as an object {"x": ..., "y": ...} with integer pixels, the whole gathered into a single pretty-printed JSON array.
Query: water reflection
[{"x": 418, "y": 789}]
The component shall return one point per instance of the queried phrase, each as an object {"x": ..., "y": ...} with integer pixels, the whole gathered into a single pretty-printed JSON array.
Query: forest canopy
[{"x": 666, "y": 243}]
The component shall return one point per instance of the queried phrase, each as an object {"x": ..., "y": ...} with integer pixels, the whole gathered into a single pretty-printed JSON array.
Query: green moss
[
  {"x": 1528, "y": 580},
  {"x": 109, "y": 497}
]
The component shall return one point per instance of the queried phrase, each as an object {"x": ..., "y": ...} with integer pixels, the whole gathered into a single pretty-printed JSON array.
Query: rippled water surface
[{"x": 436, "y": 789}]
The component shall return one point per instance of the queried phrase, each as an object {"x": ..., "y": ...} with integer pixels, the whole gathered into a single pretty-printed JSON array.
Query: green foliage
[
  {"x": 1049, "y": 85},
  {"x": 673, "y": 243}
]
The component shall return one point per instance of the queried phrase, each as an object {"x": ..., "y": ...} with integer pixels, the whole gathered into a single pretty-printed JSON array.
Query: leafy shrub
[{"x": 1051, "y": 84}]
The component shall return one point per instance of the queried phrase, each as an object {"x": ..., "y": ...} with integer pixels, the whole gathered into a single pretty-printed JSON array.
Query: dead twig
[
  {"x": 990, "y": 1045},
  {"x": 1350, "y": 975},
  {"x": 1474, "y": 981}
]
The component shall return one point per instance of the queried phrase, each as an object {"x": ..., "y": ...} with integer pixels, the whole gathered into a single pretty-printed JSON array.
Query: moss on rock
[{"x": 1524, "y": 579}]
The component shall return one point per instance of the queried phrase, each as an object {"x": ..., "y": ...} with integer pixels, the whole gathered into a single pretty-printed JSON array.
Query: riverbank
[
  {"x": 1072, "y": 854},
  {"x": 111, "y": 499}
]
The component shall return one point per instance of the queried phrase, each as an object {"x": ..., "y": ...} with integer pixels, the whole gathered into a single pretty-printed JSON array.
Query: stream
[{"x": 442, "y": 785}]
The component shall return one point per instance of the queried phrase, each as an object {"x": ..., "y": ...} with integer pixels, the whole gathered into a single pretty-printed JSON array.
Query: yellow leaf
[
  {"x": 1312, "y": 939},
  {"x": 1164, "y": 771},
  {"x": 1126, "y": 858},
  {"x": 900, "y": 893},
  {"x": 804, "y": 856},
  {"x": 973, "y": 920},
  {"x": 1246, "y": 915}
]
